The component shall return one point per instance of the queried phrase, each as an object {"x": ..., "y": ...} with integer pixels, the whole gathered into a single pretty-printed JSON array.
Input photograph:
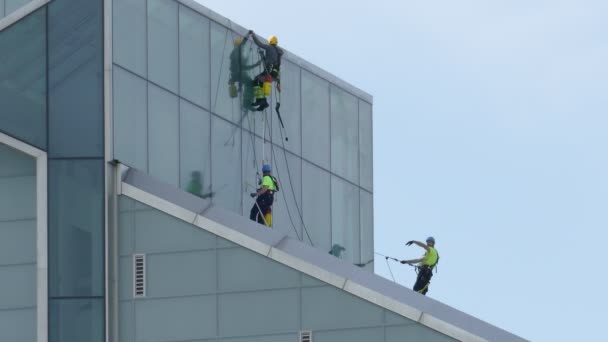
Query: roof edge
[
  {"x": 21, "y": 13},
  {"x": 308, "y": 66}
]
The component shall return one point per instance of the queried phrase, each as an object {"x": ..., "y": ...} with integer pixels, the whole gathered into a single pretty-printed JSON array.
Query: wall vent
[
  {"x": 139, "y": 275},
  {"x": 305, "y": 336}
]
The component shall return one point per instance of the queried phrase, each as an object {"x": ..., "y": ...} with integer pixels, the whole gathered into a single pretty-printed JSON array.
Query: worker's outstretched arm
[
  {"x": 413, "y": 261},
  {"x": 422, "y": 245},
  {"x": 256, "y": 40}
]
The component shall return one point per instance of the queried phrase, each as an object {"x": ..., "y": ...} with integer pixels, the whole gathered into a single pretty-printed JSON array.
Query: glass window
[
  {"x": 129, "y": 35},
  {"x": 195, "y": 150},
  {"x": 76, "y": 320},
  {"x": 130, "y": 119},
  {"x": 315, "y": 119},
  {"x": 23, "y": 79},
  {"x": 163, "y": 43},
  {"x": 365, "y": 145},
  {"x": 344, "y": 134},
  {"x": 75, "y": 79},
  {"x": 286, "y": 208},
  {"x": 316, "y": 206},
  {"x": 367, "y": 228},
  {"x": 225, "y": 158},
  {"x": 194, "y": 57},
  {"x": 76, "y": 226},
  {"x": 289, "y": 98},
  {"x": 345, "y": 225},
  {"x": 163, "y": 135}
]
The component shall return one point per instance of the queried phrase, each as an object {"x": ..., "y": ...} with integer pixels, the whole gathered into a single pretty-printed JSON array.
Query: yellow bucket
[{"x": 267, "y": 88}]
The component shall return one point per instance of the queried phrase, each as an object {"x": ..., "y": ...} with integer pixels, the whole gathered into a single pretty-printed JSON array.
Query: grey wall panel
[
  {"x": 351, "y": 335},
  {"x": 258, "y": 313},
  {"x": 17, "y": 325},
  {"x": 330, "y": 308},
  {"x": 17, "y": 242},
  {"x": 20, "y": 163},
  {"x": 266, "y": 338},
  {"x": 21, "y": 203},
  {"x": 18, "y": 287},
  {"x": 175, "y": 319},
  {"x": 126, "y": 325},
  {"x": 125, "y": 286},
  {"x": 181, "y": 274},
  {"x": 416, "y": 333},
  {"x": 243, "y": 270},
  {"x": 391, "y": 318}
]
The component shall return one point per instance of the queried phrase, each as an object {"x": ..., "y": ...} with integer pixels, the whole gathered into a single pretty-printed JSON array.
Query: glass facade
[{"x": 182, "y": 92}]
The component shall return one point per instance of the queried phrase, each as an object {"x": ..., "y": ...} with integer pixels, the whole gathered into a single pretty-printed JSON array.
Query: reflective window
[
  {"x": 345, "y": 225},
  {"x": 288, "y": 201},
  {"x": 130, "y": 119},
  {"x": 76, "y": 320},
  {"x": 23, "y": 79},
  {"x": 75, "y": 79},
  {"x": 195, "y": 150},
  {"x": 163, "y": 135},
  {"x": 130, "y": 39},
  {"x": 315, "y": 119},
  {"x": 76, "y": 225},
  {"x": 225, "y": 158},
  {"x": 344, "y": 134},
  {"x": 163, "y": 43},
  {"x": 289, "y": 98},
  {"x": 365, "y": 145},
  {"x": 194, "y": 57},
  {"x": 367, "y": 227},
  {"x": 316, "y": 206}
]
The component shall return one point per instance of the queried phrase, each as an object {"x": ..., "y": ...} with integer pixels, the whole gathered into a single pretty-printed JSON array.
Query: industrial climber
[
  {"x": 425, "y": 264},
  {"x": 262, "y": 84},
  {"x": 239, "y": 77},
  {"x": 261, "y": 211}
]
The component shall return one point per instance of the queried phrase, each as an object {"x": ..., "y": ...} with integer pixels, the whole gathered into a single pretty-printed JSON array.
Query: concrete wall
[
  {"x": 200, "y": 287},
  {"x": 17, "y": 246}
]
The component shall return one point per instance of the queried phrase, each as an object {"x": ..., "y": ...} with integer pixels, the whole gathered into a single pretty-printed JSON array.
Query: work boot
[{"x": 263, "y": 104}]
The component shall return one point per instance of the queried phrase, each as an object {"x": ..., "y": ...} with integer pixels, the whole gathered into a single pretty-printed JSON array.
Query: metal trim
[{"x": 21, "y": 13}]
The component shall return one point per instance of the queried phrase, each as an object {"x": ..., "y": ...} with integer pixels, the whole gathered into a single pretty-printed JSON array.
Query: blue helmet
[
  {"x": 266, "y": 168},
  {"x": 430, "y": 239}
]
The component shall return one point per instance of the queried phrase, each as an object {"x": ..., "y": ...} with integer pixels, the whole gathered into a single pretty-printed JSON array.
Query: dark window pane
[
  {"x": 76, "y": 320},
  {"x": 23, "y": 79},
  {"x": 76, "y": 223},
  {"x": 75, "y": 79}
]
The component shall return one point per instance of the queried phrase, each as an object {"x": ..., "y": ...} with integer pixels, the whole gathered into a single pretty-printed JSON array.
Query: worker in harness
[
  {"x": 425, "y": 265},
  {"x": 261, "y": 211},
  {"x": 239, "y": 78},
  {"x": 262, "y": 84}
]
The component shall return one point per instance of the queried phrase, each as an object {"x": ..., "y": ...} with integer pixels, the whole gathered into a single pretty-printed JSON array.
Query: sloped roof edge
[
  {"x": 309, "y": 260},
  {"x": 21, "y": 13}
]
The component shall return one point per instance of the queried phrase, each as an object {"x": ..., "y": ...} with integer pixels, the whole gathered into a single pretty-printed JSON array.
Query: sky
[{"x": 490, "y": 134}]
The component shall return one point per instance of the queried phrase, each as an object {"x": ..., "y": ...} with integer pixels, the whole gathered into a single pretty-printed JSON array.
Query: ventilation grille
[
  {"x": 305, "y": 336},
  {"x": 139, "y": 275}
]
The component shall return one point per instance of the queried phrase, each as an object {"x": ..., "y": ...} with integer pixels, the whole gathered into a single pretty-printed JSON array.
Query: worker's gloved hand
[
  {"x": 409, "y": 243},
  {"x": 250, "y": 32},
  {"x": 253, "y": 194}
]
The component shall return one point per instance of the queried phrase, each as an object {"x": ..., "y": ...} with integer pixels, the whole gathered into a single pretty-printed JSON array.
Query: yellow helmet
[
  {"x": 273, "y": 40},
  {"x": 238, "y": 41}
]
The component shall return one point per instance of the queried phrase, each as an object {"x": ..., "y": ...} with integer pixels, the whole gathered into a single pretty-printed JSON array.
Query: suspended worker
[
  {"x": 239, "y": 77},
  {"x": 261, "y": 211},
  {"x": 271, "y": 58},
  {"x": 425, "y": 265}
]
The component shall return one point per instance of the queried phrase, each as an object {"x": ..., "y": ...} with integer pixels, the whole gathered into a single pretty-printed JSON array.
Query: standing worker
[
  {"x": 261, "y": 211},
  {"x": 425, "y": 264},
  {"x": 272, "y": 67}
]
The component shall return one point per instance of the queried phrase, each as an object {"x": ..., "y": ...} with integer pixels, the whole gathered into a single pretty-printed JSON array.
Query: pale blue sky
[{"x": 490, "y": 133}]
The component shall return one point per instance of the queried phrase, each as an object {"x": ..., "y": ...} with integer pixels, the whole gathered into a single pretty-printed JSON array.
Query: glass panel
[
  {"x": 23, "y": 79},
  {"x": 13, "y": 5},
  {"x": 344, "y": 134},
  {"x": 194, "y": 57},
  {"x": 18, "y": 184},
  {"x": 286, "y": 211},
  {"x": 315, "y": 119},
  {"x": 345, "y": 225},
  {"x": 76, "y": 221},
  {"x": 226, "y": 157},
  {"x": 76, "y": 320},
  {"x": 163, "y": 43},
  {"x": 130, "y": 119},
  {"x": 290, "y": 109},
  {"x": 365, "y": 145},
  {"x": 75, "y": 79},
  {"x": 316, "y": 206},
  {"x": 129, "y": 35},
  {"x": 367, "y": 228},
  {"x": 163, "y": 135},
  {"x": 195, "y": 150}
]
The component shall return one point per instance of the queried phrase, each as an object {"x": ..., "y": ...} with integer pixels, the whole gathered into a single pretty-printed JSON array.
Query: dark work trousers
[
  {"x": 271, "y": 70},
  {"x": 264, "y": 202},
  {"x": 425, "y": 274}
]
